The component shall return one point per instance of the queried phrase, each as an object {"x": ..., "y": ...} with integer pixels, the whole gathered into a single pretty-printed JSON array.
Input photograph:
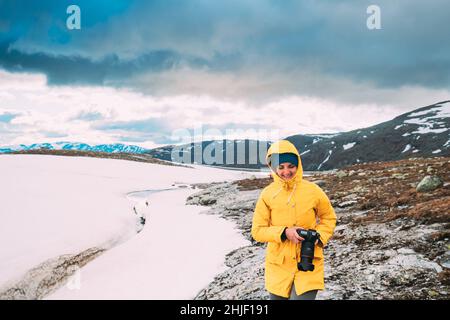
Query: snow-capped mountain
[
  {"x": 424, "y": 132},
  {"x": 109, "y": 148}
]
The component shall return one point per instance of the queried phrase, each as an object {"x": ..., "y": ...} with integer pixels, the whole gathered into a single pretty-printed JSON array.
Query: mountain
[
  {"x": 424, "y": 132},
  {"x": 108, "y": 148}
]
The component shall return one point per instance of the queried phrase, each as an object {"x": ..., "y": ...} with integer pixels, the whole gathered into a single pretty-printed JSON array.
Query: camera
[{"x": 307, "y": 249}]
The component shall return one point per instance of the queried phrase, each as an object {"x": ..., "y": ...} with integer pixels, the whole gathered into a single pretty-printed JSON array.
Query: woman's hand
[{"x": 292, "y": 235}]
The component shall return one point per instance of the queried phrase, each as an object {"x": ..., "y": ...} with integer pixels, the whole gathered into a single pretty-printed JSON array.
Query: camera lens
[{"x": 307, "y": 249}]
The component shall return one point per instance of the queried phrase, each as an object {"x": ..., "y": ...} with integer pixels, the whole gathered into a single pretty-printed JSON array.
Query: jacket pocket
[
  {"x": 275, "y": 253},
  {"x": 276, "y": 259}
]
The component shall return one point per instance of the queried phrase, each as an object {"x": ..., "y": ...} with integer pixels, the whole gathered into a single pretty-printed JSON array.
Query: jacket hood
[{"x": 283, "y": 146}]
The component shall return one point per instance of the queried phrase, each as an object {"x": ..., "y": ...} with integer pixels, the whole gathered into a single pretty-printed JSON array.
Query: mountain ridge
[{"x": 423, "y": 132}]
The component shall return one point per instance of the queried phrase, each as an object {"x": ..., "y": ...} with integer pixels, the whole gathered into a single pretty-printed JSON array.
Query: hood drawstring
[
  {"x": 290, "y": 196},
  {"x": 276, "y": 193}
]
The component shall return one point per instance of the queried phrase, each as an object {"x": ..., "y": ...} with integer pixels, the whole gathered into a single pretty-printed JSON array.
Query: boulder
[
  {"x": 340, "y": 174},
  {"x": 429, "y": 183}
]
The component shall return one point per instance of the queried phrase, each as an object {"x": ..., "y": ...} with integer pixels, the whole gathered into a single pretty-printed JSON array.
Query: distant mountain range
[
  {"x": 424, "y": 132},
  {"x": 109, "y": 148}
]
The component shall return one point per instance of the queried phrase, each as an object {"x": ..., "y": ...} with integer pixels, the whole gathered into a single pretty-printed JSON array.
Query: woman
[{"x": 287, "y": 204}]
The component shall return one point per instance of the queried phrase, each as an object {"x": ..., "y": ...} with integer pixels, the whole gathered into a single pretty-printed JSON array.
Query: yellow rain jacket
[{"x": 282, "y": 204}]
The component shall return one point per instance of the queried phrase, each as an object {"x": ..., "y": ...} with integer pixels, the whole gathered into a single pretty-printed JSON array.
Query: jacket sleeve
[
  {"x": 327, "y": 217},
  {"x": 262, "y": 231}
]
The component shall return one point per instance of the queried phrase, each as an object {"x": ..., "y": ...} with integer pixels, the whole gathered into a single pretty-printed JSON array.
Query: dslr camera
[{"x": 307, "y": 249}]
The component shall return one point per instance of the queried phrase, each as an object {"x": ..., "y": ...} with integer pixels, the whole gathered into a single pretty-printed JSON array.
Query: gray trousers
[{"x": 308, "y": 295}]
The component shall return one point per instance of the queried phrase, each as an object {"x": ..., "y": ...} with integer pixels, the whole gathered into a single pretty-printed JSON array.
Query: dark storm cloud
[
  {"x": 62, "y": 69},
  {"x": 123, "y": 40}
]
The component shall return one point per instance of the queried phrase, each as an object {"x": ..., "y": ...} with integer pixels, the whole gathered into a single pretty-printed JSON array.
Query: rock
[
  {"x": 358, "y": 189},
  {"x": 414, "y": 261},
  {"x": 429, "y": 183},
  {"x": 320, "y": 183},
  {"x": 433, "y": 293},
  {"x": 406, "y": 251},
  {"x": 347, "y": 203},
  {"x": 207, "y": 201},
  {"x": 351, "y": 196},
  {"x": 202, "y": 200},
  {"x": 340, "y": 174},
  {"x": 340, "y": 228},
  {"x": 241, "y": 206},
  {"x": 446, "y": 264}
]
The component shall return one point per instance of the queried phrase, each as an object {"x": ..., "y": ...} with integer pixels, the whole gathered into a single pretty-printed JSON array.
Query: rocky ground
[
  {"x": 48, "y": 276},
  {"x": 391, "y": 239}
]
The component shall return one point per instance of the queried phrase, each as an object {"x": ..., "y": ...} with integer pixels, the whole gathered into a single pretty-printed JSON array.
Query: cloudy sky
[{"x": 138, "y": 72}]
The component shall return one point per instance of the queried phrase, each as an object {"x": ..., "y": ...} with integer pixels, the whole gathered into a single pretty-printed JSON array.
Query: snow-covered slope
[
  {"x": 60, "y": 205},
  {"x": 177, "y": 254}
]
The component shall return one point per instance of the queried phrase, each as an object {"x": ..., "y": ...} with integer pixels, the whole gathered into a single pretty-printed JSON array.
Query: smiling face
[{"x": 286, "y": 171}]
